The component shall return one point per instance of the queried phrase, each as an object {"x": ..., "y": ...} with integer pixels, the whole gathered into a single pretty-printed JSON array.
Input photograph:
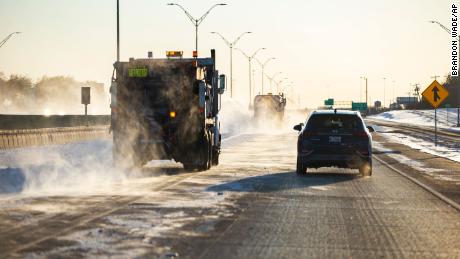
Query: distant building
[{"x": 406, "y": 100}]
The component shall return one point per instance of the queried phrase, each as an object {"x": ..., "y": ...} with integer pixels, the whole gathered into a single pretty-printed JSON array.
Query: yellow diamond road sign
[{"x": 435, "y": 94}]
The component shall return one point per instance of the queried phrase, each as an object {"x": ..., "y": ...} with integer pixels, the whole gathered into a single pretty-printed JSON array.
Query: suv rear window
[{"x": 329, "y": 122}]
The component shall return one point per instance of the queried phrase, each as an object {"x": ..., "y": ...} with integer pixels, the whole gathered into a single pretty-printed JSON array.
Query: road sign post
[
  {"x": 435, "y": 128},
  {"x": 435, "y": 94},
  {"x": 86, "y": 99}
]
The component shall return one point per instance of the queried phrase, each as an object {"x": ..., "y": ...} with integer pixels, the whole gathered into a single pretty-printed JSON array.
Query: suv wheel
[
  {"x": 365, "y": 169},
  {"x": 301, "y": 169}
]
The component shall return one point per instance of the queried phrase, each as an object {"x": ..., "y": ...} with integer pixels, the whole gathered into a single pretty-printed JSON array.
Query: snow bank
[{"x": 447, "y": 118}]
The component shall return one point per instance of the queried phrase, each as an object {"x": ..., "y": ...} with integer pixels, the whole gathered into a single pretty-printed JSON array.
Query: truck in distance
[{"x": 269, "y": 107}]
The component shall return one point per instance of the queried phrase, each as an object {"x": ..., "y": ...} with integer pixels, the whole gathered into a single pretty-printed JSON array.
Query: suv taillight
[
  {"x": 361, "y": 134},
  {"x": 307, "y": 134}
]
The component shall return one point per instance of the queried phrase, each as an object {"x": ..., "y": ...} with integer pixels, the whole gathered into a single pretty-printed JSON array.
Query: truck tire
[
  {"x": 189, "y": 167},
  {"x": 215, "y": 157},
  {"x": 210, "y": 153},
  {"x": 206, "y": 153}
]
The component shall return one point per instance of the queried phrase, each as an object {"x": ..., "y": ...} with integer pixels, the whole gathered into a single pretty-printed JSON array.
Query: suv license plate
[{"x": 335, "y": 139}]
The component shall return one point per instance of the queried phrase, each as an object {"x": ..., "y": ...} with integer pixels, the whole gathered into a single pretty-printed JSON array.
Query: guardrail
[
  {"x": 19, "y": 138},
  {"x": 13, "y": 122}
]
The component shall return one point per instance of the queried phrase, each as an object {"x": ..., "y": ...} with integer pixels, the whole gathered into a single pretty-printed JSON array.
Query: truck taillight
[{"x": 195, "y": 54}]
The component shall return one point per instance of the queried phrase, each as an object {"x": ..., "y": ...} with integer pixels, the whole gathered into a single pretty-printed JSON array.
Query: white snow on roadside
[
  {"x": 417, "y": 165},
  {"x": 424, "y": 146},
  {"x": 447, "y": 118}
]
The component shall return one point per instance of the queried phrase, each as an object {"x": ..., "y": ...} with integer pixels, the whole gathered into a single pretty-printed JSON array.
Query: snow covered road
[{"x": 252, "y": 205}]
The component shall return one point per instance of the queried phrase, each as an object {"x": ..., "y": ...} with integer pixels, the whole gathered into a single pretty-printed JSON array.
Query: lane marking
[{"x": 424, "y": 186}]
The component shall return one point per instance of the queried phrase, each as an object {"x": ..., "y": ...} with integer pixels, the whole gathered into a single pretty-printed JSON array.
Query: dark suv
[{"x": 334, "y": 138}]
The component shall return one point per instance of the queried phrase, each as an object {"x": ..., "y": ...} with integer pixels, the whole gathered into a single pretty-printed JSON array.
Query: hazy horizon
[{"x": 322, "y": 47}]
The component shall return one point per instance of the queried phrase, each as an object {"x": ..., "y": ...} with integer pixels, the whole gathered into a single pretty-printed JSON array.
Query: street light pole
[
  {"x": 290, "y": 86},
  {"x": 118, "y": 30},
  {"x": 279, "y": 82},
  {"x": 7, "y": 38},
  {"x": 262, "y": 65},
  {"x": 384, "y": 92},
  {"x": 250, "y": 70},
  {"x": 196, "y": 22},
  {"x": 273, "y": 78},
  {"x": 231, "y": 45},
  {"x": 367, "y": 103},
  {"x": 458, "y": 90}
]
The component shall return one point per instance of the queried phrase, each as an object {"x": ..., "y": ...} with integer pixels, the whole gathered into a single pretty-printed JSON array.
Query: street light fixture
[
  {"x": 262, "y": 65},
  {"x": 231, "y": 44},
  {"x": 196, "y": 22},
  {"x": 272, "y": 78},
  {"x": 442, "y": 26},
  {"x": 279, "y": 82},
  {"x": 8, "y": 37},
  {"x": 250, "y": 70}
]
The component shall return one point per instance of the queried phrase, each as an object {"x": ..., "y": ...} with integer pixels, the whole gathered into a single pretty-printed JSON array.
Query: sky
[{"x": 322, "y": 47}]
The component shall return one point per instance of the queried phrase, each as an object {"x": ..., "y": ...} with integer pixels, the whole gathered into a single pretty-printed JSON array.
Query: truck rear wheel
[
  {"x": 215, "y": 157},
  {"x": 206, "y": 153},
  {"x": 189, "y": 167}
]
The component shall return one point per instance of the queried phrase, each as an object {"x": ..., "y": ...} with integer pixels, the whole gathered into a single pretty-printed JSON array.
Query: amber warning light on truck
[{"x": 174, "y": 54}]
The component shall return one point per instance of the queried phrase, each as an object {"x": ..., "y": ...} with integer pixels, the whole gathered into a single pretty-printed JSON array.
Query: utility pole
[
  {"x": 394, "y": 87},
  {"x": 416, "y": 91}
]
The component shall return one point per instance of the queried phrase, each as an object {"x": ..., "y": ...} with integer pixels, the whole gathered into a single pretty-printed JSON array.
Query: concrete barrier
[
  {"x": 10, "y": 139},
  {"x": 12, "y": 122}
]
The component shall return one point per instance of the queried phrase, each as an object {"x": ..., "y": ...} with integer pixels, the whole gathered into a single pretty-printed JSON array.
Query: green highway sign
[
  {"x": 358, "y": 106},
  {"x": 329, "y": 102}
]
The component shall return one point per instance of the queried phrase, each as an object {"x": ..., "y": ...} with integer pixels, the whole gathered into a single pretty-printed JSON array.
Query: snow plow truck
[{"x": 167, "y": 108}]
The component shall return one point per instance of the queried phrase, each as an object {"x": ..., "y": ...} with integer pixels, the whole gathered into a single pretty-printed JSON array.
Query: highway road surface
[{"x": 252, "y": 205}]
